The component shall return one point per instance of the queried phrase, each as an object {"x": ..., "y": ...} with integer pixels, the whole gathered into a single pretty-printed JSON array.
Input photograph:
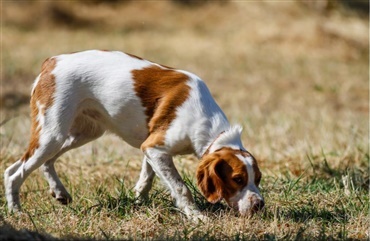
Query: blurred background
[
  {"x": 270, "y": 42},
  {"x": 294, "y": 73}
]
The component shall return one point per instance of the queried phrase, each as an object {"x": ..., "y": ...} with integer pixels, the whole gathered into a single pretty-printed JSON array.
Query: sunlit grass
[{"x": 297, "y": 207}]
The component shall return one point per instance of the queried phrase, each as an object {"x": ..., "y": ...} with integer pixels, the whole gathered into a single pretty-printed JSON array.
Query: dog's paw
[
  {"x": 200, "y": 218},
  {"x": 196, "y": 216},
  {"x": 15, "y": 208},
  {"x": 64, "y": 198}
]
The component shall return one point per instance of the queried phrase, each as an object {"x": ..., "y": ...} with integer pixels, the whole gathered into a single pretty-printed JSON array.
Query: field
[{"x": 295, "y": 76}]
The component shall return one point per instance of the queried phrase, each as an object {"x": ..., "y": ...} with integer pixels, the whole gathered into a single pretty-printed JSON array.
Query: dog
[{"x": 163, "y": 111}]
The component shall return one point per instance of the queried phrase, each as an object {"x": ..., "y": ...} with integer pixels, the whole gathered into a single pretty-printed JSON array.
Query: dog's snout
[{"x": 258, "y": 204}]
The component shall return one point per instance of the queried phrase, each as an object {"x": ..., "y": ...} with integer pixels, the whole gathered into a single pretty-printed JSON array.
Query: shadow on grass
[{"x": 7, "y": 232}]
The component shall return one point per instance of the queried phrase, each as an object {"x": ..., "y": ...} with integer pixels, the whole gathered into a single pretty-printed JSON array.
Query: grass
[
  {"x": 296, "y": 79},
  {"x": 299, "y": 209}
]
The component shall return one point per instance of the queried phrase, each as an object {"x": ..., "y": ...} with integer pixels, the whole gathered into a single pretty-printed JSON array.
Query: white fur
[
  {"x": 102, "y": 81},
  {"x": 231, "y": 137},
  {"x": 249, "y": 195}
]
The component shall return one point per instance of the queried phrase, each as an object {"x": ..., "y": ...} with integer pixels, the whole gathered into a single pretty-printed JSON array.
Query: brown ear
[{"x": 208, "y": 179}]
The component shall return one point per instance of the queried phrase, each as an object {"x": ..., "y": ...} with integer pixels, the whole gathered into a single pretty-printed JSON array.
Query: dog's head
[{"x": 232, "y": 175}]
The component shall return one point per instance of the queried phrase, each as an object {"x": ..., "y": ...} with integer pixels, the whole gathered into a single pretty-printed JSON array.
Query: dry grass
[{"x": 295, "y": 79}]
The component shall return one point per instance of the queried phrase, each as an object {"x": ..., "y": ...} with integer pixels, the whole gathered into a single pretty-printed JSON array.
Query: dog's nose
[{"x": 258, "y": 204}]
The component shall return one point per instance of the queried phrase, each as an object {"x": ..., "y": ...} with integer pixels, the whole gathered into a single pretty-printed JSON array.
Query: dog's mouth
[{"x": 253, "y": 206}]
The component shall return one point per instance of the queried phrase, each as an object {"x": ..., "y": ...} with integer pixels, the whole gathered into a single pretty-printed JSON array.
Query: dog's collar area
[{"x": 209, "y": 147}]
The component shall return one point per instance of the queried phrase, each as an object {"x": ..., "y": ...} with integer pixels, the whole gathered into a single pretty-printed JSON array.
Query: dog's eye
[{"x": 238, "y": 180}]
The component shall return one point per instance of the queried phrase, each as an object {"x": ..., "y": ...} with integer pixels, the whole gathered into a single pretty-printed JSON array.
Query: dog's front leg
[
  {"x": 144, "y": 184},
  {"x": 165, "y": 169}
]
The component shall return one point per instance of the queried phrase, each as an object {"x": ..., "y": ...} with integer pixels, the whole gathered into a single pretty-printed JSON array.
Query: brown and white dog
[{"x": 163, "y": 111}]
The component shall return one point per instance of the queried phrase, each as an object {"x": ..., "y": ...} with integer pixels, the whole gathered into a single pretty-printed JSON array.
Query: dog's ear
[{"x": 209, "y": 178}]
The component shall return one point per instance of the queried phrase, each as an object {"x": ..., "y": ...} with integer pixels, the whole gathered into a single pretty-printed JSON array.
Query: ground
[{"x": 294, "y": 77}]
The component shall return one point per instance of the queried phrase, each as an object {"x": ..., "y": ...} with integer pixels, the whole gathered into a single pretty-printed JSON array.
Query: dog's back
[{"x": 124, "y": 94}]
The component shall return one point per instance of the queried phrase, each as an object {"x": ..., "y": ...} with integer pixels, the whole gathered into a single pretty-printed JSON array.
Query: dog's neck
[
  {"x": 230, "y": 137},
  {"x": 209, "y": 147}
]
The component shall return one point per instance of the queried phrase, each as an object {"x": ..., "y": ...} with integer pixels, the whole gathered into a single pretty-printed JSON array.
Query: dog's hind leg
[
  {"x": 83, "y": 131},
  {"x": 15, "y": 175},
  {"x": 57, "y": 189},
  {"x": 48, "y": 134}
]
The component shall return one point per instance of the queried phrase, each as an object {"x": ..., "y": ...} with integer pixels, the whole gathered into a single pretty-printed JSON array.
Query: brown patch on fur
[
  {"x": 221, "y": 174},
  {"x": 256, "y": 170},
  {"x": 42, "y": 95},
  {"x": 161, "y": 92}
]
